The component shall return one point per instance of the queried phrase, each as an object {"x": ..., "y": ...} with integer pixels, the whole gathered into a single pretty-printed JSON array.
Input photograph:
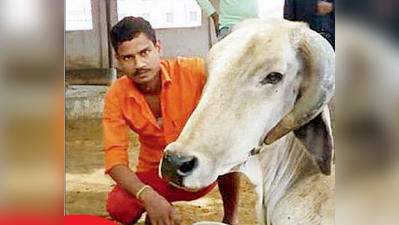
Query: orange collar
[{"x": 165, "y": 76}]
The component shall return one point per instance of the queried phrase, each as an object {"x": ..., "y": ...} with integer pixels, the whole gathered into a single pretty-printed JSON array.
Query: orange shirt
[{"x": 125, "y": 107}]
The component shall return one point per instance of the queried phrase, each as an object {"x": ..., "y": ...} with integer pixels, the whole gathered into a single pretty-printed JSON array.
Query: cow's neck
[{"x": 283, "y": 163}]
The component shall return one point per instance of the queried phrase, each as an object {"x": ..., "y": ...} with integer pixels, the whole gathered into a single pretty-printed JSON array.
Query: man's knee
[{"x": 124, "y": 207}]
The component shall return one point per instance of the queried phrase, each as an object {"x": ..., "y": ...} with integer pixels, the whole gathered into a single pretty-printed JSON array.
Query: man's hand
[
  {"x": 215, "y": 17},
  {"x": 159, "y": 210},
  {"x": 324, "y": 8}
]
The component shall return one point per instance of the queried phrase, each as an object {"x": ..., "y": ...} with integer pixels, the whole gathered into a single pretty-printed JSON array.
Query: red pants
[{"x": 127, "y": 209}]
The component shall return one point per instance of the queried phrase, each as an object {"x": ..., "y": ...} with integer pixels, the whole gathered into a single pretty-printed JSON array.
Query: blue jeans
[{"x": 224, "y": 31}]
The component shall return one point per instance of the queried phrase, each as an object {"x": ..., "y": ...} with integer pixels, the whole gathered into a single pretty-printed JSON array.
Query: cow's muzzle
[{"x": 175, "y": 167}]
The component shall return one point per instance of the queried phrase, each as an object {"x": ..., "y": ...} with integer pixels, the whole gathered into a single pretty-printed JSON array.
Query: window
[
  {"x": 193, "y": 16},
  {"x": 78, "y": 15},
  {"x": 163, "y": 13},
  {"x": 169, "y": 17}
]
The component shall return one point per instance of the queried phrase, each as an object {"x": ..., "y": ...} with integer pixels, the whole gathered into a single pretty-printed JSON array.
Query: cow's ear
[{"x": 316, "y": 136}]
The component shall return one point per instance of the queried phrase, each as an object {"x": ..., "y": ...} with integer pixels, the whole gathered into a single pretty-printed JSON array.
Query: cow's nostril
[{"x": 188, "y": 166}]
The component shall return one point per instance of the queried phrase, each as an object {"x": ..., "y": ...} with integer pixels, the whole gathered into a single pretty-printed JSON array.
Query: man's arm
[
  {"x": 210, "y": 12},
  {"x": 158, "y": 208},
  {"x": 127, "y": 179}
]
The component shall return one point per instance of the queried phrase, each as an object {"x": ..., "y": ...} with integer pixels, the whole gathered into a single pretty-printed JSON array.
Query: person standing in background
[
  {"x": 319, "y": 14},
  {"x": 229, "y": 14}
]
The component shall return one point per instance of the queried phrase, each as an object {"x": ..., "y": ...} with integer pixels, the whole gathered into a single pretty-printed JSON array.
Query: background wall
[{"x": 91, "y": 50}]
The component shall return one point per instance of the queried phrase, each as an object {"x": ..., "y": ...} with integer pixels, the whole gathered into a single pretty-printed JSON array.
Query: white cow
[{"x": 266, "y": 79}]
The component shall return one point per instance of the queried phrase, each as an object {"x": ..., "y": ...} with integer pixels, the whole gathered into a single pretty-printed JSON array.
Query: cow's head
[{"x": 266, "y": 79}]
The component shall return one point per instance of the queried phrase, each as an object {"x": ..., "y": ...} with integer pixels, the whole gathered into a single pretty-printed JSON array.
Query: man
[
  {"x": 154, "y": 99},
  {"x": 231, "y": 12},
  {"x": 319, "y": 14}
]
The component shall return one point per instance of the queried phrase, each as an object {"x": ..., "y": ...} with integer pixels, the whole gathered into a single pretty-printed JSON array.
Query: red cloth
[{"x": 127, "y": 209}]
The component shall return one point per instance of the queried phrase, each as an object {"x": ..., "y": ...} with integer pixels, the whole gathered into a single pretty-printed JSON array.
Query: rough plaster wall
[
  {"x": 89, "y": 49},
  {"x": 185, "y": 41}
]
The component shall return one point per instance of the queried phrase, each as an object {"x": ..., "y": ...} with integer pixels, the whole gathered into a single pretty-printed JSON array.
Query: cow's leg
[{"x": 229, "y": 186}]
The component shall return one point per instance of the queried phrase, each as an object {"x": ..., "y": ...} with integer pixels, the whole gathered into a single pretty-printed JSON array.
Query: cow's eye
[{"x": 272, "y": 78}]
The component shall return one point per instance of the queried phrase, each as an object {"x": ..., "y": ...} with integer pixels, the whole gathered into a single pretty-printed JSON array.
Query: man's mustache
[{"x": 141, "y": 71}]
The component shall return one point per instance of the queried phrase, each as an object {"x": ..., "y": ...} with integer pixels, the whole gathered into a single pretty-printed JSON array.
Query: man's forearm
[
  {"x": 126, "y": 178},
  {"x": 215, "y": 17},
  {"x": 159, "y": 210}
]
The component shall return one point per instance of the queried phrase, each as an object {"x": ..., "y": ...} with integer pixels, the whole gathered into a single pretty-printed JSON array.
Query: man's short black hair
[{"x": 131, "y": 27}]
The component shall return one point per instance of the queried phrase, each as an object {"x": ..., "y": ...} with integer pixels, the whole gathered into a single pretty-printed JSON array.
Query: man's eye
[
  {"x": 145, "y": 52},
  {"x": 126, "y": 58},
  {"x": 272, "y": 78}
]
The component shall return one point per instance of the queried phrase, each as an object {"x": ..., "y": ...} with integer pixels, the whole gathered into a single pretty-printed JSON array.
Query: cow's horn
[{"x": 317, "y": 87}]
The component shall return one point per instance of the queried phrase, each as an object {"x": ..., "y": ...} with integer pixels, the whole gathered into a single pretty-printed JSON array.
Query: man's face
[{"x": 139, "y": 58}]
